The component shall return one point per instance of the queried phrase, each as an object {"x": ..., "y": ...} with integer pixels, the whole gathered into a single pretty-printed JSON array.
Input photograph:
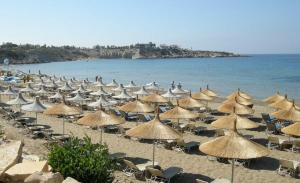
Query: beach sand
[{"x": 194, "y": 164}]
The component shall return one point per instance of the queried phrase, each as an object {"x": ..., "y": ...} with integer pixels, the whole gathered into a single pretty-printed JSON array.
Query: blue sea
[{"x": 259, "y": 75}]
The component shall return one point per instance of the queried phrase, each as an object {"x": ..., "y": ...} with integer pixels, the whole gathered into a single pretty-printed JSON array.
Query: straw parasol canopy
[
  {"x": 209, "y": 92},
  {"x": 20, "y": 100},
  {"x": 42, "y": 91},
  {"x": 142, "y": 91},
  {"x": 52, "y": 84},
  {"x": 123, "y": 96},
  {"x": 178, "y": 113},
  {"x": 36, "y": 107},
  {"x": 66, "y": 87},
  {"x": 293, "y": 129},
  {"x": 100, "y": 82},
  {"x": 239, "y": 99},
  {"x": 77, "y": 98},
  {"x": 9, "y": 91},
  {"x": 284, "y": 104},
  {"x": 228, "y": 122},
  {"x": 201, "y": 96},
  {"x": 190, "y": 102},
  {"x": 178, "y": 90},
  {"x": 169, "y": 94},
  {"x": 136, "y": 107},
  {"x": 274, "y": 98},
  {"x": 152, "y": 86},
  {"x": 102, "y": 101},
  {"x": 28, "y": 89},
  {"x": 154, "y": 130},
  {"x": 62, "y": 109},
  {"x": 57, "y": 95},
  {"x": 112, "y": 84},
  {"x": 233, "y": 146},
  {"x": 100, "y": 119},
  {"x": 155, "y": 98},
  {"x": 131, "y": 85},
  {"x": 239, "y": 92},
  {"x": 119, "y": 88},
  {"x": 293, "y": 114},
  {"x": 81, "y": 89},
  {"x": 235, "y": 107},
  {"x": 100, "y": 92}
]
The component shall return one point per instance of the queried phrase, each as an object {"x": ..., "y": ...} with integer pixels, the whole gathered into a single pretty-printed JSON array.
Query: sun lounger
[
  {"x": 219, "y": 132},
  {"x": 137, "y": 170},
  {"x": 296, "y": 146},
  {"x": 187, "y": 147},
  {"x": 275, "y": 142},
  {"x": 157, "y": 175},
  {"x": 288, "y": 167},
  {"x": 266, "y": 118}
]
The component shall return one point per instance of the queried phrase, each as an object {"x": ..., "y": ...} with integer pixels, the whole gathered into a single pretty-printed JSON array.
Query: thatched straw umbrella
[
  {"x": 141, "y": 92},
  {"x": 100, "y": 92},
  {"x": 189, "y": 102},
  {"x": 178, "y": 90},
  {"x": 209, "y": 92},
  {"x": 235, "y": 107},
  {"x": 239, "y": 92},
  {"x": 154, "y": 130},
  {"x": 100, "y": 82},
  {"x": 102, "y": 101},
  {"x": 170, "y": 95},
  {"x": 240, "y": 100},
  {"x": 233, "y": 146},
  {"x": 64, "y": 110},
  {"x": 131, "y": 86},
  {"x": 36, "y": 107},
  {"x": 120, "y": 88},
  {"x": 66, "y": 87},
  {"x": 123, "y": 96},
  {"x": 58, "y": 95},
  {"x": 154, "y": 98},
  {"x": 20, "y": 100},
  {"x": 28, "y": 89},
  {"x": 284, "y": 104},
  {"x": 9, "y": 91},
  {"x": 228, "y": 122},
  {"x": 100, "y": 119},
  {"x": 201, "y": 96},
  {"x": 113, "y": 84},
  {"x": 274, "y": 98}
]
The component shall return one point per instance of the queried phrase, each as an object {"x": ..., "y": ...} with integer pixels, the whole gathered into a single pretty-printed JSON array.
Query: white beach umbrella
[
  {"x": 36, "y": 107},
  {"x": 123, "y": 96},
  {"x": 52, "y": 84},
  {"x": 142, "y": 92},
  {"x": 66, "y": 87},
  {"x": 57, "y": 95},
  {"x": 131, "y": 85},
  {"x": 178, "y": 90},
  {"x": 113, "y": 84},
  {"x": 102, "y": 101},
  {"x": 9, "y": 91},
  {"x": 28, "y": 89},
  {"x": 81, "y": 89},
  {"x": 42, "y": 91},
  {"x": 152, "y": 86},
  {"x": 20, "y": 100},
  {"x": 77, "y": 98},
  {"x": 119, "y": 88},
  {"x": 169, "y": 94},
  {"x": 100, "y": 82},
  {"x": 100, "y": 92}
]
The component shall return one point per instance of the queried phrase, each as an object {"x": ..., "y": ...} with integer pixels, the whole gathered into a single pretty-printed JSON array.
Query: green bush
[{"x": 82, "y": 160}]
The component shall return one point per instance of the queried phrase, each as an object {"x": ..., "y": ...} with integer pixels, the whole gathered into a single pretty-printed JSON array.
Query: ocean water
[{"x": 259, "y": 75}]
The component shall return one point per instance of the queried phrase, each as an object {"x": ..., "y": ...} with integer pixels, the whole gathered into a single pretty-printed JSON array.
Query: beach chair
[
  {"x": 137, "y": 170},
  {"x": 271, "y": 128},
  {"x": 157, "y": 175},
  {"x": 186, "y": 147},
  {"x": 273, "y": 142},
  {"x": 266, "y": 118},
  {"x": 286, "y": 167},
  {"x": 296, "y": 146}
]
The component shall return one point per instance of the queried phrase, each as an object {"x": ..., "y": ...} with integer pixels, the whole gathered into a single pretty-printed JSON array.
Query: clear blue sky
[{"x": 243, "y": 26}]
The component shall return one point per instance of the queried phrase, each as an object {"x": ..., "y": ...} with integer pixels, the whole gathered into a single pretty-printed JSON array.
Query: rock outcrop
[
  {"x": 10, "y": 154},
  {"x": 45, "y": 177}
]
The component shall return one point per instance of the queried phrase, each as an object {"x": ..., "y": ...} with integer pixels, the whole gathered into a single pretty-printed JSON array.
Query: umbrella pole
[
  {"x": 101, "y": 135},
  {"x": 232, "y": 170},
  {"x": 63, "y": 125},
  {"x": 36, "y": 117},
  {"x": 153, "y": 153}
]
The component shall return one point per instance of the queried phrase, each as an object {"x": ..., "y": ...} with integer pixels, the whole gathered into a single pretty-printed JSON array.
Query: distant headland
[{"x": 29, "y": 53}]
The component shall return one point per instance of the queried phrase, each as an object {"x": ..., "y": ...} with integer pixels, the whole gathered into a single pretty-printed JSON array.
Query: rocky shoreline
[{"x": 29, "y": 54}]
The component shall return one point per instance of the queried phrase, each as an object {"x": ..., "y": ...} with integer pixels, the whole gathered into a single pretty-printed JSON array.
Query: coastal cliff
[{"x": 26, "y": 54}]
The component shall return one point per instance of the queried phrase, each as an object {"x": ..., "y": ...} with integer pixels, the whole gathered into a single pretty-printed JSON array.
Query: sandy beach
[{"x": 195, "y": 164}]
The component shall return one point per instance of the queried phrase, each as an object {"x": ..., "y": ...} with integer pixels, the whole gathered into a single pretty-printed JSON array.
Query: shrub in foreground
[{"x": 82, "y": 160}]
